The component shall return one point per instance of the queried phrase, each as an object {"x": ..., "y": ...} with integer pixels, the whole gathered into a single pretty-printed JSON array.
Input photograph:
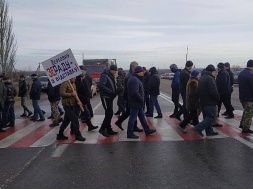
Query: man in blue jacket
[
  {"x": 107, "y": 88},
  {"x": 35, "y": 97},
  {"x": 135, "y": 91},
  {"x": 175, "y": 89},
  {"x": 245, "y": 82}
]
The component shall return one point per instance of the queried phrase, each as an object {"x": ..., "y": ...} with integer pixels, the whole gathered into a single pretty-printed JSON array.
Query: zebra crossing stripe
[{"x": 37, "y": 134}]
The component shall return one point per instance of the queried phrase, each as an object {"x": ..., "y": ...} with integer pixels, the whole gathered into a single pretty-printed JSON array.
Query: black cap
[
  {"x": 34, "y": 75},
  {"x": 138, "y": 69},
  {"x": 210, "y": 68},
  {"x": 189, "y": 63},
  {"x": 220, "y": 65},
  {"x": 22, "y": 76},
  {"x": 227, "y": 64},
  {"x": 250, "y": 63},
  {"x": 113, "y": 67}
]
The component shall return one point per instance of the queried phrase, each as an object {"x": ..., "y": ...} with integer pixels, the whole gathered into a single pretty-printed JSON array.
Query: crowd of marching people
[{"x": 137, "y": 96}]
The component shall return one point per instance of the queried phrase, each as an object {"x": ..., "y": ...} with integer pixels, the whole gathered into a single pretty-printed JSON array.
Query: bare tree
[{"x": 8, "y": 44}]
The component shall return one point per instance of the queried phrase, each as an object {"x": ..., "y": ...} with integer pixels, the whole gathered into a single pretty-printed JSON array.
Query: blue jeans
[
  {"x": 132, "y": 119},
  {"x": 209, "y": 113},
  {"x": 154, "y": 102},
  {"x": 37, "y": 110}
]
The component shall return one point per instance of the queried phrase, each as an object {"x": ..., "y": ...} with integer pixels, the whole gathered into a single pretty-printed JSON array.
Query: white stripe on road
[
  {"x": 20, "y": 134},
  {"x": 96, "y": 107},
  {"x": 59, "y": 150}
]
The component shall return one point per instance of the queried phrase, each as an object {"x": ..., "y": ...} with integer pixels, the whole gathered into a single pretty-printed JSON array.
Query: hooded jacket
[{"x": 154, "y": 82}]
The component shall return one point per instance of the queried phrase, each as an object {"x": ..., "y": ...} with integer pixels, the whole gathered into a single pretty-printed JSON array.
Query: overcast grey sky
[{"x": 151, "y": 32}]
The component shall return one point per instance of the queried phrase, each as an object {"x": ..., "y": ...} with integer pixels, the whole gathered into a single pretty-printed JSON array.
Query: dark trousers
[
  {"x": 108, "y": 106},
  {"x": 147, "y": 102},
  {"x": 8, "y": 114},
  {"x": 183, "y": 109},
  {"x": 175, "y": 100},
  {"x": 124, "y": 116},
  {"x": 226, "y": 100},
  {"x": 88, "y": 104},
  {"x": 70, "y": 117},
  {"x": 121, "y": 104},
  {"x": 192, "y": 115}
]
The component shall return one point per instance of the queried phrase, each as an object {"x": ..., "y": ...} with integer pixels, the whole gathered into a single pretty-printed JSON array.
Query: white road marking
[{"x": 59, "y": 150}]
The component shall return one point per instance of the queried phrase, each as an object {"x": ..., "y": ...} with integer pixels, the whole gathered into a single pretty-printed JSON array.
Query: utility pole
[{"x": 187, "y": 53}]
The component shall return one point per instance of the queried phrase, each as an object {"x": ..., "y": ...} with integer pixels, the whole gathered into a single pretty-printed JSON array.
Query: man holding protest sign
[
  {"x": 60, "y": 69},
  {"x": 69, "y": 103}
]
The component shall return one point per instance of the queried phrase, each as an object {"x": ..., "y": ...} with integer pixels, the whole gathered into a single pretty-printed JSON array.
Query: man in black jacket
[
  {"x": 184, "y": 77},
  {"x": 154, "y": 91},
  {"x": 83, "y": 93},
  {"x": 209, "y": 98},
  {"x": 22, "y": 93},
  {"x": 107, "y": 88},
  {"x": 224, "y": 89},
  {"x": 145, "y": 81},
  {"x": 232, "y": 80}
]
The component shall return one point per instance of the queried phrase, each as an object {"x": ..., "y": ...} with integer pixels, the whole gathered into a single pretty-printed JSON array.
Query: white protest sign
[{"x": 61, "y": 67}]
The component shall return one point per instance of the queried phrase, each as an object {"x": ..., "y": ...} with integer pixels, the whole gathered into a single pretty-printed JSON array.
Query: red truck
[{"x": 94, "y": 67}]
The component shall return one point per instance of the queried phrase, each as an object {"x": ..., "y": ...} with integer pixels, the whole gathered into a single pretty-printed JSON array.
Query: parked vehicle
[
  {"x": 94, "y": 67},
  {"x": 44, "y": 82},
  {"x": 94, "y": 89},
  {"x": 167, "y": 75},
  {"x": 171, "y": 76},
  {"x": 236, "y": 73}
]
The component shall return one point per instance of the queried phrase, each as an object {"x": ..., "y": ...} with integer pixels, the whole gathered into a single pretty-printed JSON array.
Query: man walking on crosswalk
[{"x": 245, "y": 82}]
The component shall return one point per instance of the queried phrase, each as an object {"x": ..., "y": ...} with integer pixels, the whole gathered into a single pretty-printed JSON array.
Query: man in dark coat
[
  {"x": 224, "y": 89},
  {"x": 3, "y": 94},
  {"x": 154, "y": 91},
  {"x": 136, "y": 102},
  {"x": 245, "y": 82},
  {"x": 22, "y": 93},
  {"x": 107, "y": 88},
  {"x": 175, "y": 89},
  {"x": 184, "y": 77},
  {"x": 83, "y": 93},
  {"x": 120, "y": 91},
  {"x": 54, "y": 98},
  {"x": 209, "y": 98},
  {"x": 232, "y": 80},
  {"x": 35, "y": 96},
  {"x": 124, "y": 116},
  {"x": 8, "y": 114},
  {"x": 88, "y": 81},
  {"x": 145, "y": 81}
]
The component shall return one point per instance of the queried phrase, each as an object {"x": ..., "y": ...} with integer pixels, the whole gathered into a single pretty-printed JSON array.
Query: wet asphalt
[{"x": 220, "y": 163}]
